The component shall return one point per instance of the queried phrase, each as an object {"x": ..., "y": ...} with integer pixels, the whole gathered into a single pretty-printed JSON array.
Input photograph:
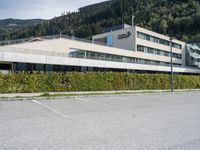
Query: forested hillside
[
  {"x": 178, "y": 18},
  {"x": 8, "y": 26},
  {"x": 9, "y": 23}
]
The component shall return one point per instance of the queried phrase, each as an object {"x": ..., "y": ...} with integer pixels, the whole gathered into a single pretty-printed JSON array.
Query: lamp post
[{"x": 171, "y": 63}]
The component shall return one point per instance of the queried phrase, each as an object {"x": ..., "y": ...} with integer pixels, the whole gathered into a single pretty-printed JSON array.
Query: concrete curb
[
  {"x": 30, "y": 96},
  {"x": 11, "y": 95}
]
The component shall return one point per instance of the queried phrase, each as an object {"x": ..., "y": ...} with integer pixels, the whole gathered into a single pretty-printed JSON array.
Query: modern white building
[
  {"x": 127, "y": 49},
  {"x": 193, "y": 54},
  {"x": 145, "y": 44}
]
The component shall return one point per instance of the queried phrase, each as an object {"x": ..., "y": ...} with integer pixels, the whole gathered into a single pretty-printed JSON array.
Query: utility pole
[
  {"x": 133, "y": 17},
  {"x": 171, "y": 62}
]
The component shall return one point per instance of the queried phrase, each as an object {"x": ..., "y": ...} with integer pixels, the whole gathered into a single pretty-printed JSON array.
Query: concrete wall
[
  {"x": 123, "y": 43},
  {"x": 64, "y": 45},
  {"x": 132, "y": 42},
  {"x": 160, "y": 46},
  {"x": 58, "y": 60}
]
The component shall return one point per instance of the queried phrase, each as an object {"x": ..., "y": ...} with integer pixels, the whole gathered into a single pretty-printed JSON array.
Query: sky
[{"x": 44, "y": 9}]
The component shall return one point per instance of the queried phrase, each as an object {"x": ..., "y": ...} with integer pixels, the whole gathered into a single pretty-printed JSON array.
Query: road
[{"x": 133, "y": 122}]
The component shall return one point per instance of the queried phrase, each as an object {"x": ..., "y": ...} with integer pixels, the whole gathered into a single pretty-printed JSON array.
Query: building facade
[
  {"x": 126, "y": 49},
  {"x": 145, "y": 44},
  {"x": 193, "y": 55}
]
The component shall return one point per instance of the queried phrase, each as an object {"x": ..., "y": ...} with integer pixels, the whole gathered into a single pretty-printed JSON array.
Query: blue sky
[{"x": 46, "y": 9}]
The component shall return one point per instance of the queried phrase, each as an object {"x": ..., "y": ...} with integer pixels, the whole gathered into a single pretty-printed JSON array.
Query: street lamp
[{"x": 171, "y": 63}]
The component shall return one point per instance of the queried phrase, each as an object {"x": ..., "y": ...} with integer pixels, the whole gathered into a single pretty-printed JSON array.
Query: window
[
  {"x": 77, "y": 53},
  {"x": 126, "y": 59},
  {"x": 144, "y": 36},
  {"x": 157, "y": 52},
  {"x": 100, "y": 40},
  {"x": 140, "y": 48},
  {"x": 164, "y": 42},
  {"x": 149, "y": 50},
  {"x": 115, "y": 58},
  {"x": 161, "y": 53},
  {"x": 91, "y": 55},
  {"x": 176, "y": 45},
  {"x": 165, "y": 53},
  {"x": 108, "y": 57},
  {"x": 156, "y": 40},
  {"x": 100, "y": 56}
]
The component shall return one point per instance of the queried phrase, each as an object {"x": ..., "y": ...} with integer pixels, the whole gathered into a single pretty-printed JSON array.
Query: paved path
[{"x": 135, "y": 122}]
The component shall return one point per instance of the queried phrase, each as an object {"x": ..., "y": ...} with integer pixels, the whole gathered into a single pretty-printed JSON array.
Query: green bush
[{"x": 92, "y": 81}]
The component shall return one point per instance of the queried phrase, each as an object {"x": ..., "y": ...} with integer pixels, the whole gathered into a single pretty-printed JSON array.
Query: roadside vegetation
[{"x": 92, "y": 81}]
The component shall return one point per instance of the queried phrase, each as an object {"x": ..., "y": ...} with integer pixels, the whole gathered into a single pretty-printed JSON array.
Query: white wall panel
[{"x": 41, "y": 59}]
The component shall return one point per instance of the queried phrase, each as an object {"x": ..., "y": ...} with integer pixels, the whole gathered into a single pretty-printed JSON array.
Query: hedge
[{"x": 92, "y": 81}]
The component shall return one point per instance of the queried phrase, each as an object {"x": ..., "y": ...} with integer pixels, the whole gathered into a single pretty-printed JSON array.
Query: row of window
[
  {"x": 42, "y": 67},
  {"x": 116, "y": 58},
  {"x": 157, "y": 40},
  {"x": 157, "y": 52},
  {"x": 193, "y": 55},
  {"x": 197, "y": 51}
]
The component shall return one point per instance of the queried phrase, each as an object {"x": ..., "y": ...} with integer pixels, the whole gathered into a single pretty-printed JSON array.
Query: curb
[{"x": 55, "y": 95}]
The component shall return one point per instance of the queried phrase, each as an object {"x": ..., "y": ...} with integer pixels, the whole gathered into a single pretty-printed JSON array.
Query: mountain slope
[
  {"x": 178, "y": 18},
  {"x": 8, "y": 23}
]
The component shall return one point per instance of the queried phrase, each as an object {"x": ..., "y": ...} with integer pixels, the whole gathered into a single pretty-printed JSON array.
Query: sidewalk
[{"x": 67, "y": 94}]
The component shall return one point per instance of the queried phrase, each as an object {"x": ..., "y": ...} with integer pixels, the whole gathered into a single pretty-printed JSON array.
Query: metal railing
[
  {"x": 82, "y": 40},
  {"x": 18, "y": 41},
  {"x": 50, "y": 37}
]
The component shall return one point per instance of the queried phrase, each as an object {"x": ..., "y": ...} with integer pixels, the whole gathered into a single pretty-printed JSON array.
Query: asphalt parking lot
[{"x": 133, "y": 122}]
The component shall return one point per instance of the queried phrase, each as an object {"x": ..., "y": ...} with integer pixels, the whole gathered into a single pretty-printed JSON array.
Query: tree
[
  {"x": 163, "y": 27},
  {"x": 185, "y": 38},
  {"x": 178, "y": 18}
]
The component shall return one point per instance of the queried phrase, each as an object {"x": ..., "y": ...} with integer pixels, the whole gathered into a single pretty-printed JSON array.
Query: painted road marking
[{"x": 51, "y": 109}]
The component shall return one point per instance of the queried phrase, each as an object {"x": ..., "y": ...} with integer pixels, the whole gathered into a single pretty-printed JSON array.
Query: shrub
[{"x": 92, "y": 81}]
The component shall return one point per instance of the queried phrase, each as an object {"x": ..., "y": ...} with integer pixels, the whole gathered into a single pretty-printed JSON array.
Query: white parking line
[{"x": 51, "y": 109}]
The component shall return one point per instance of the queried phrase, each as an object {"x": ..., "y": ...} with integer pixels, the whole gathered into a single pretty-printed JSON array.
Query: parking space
[{"x": 141, "y": 121}]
